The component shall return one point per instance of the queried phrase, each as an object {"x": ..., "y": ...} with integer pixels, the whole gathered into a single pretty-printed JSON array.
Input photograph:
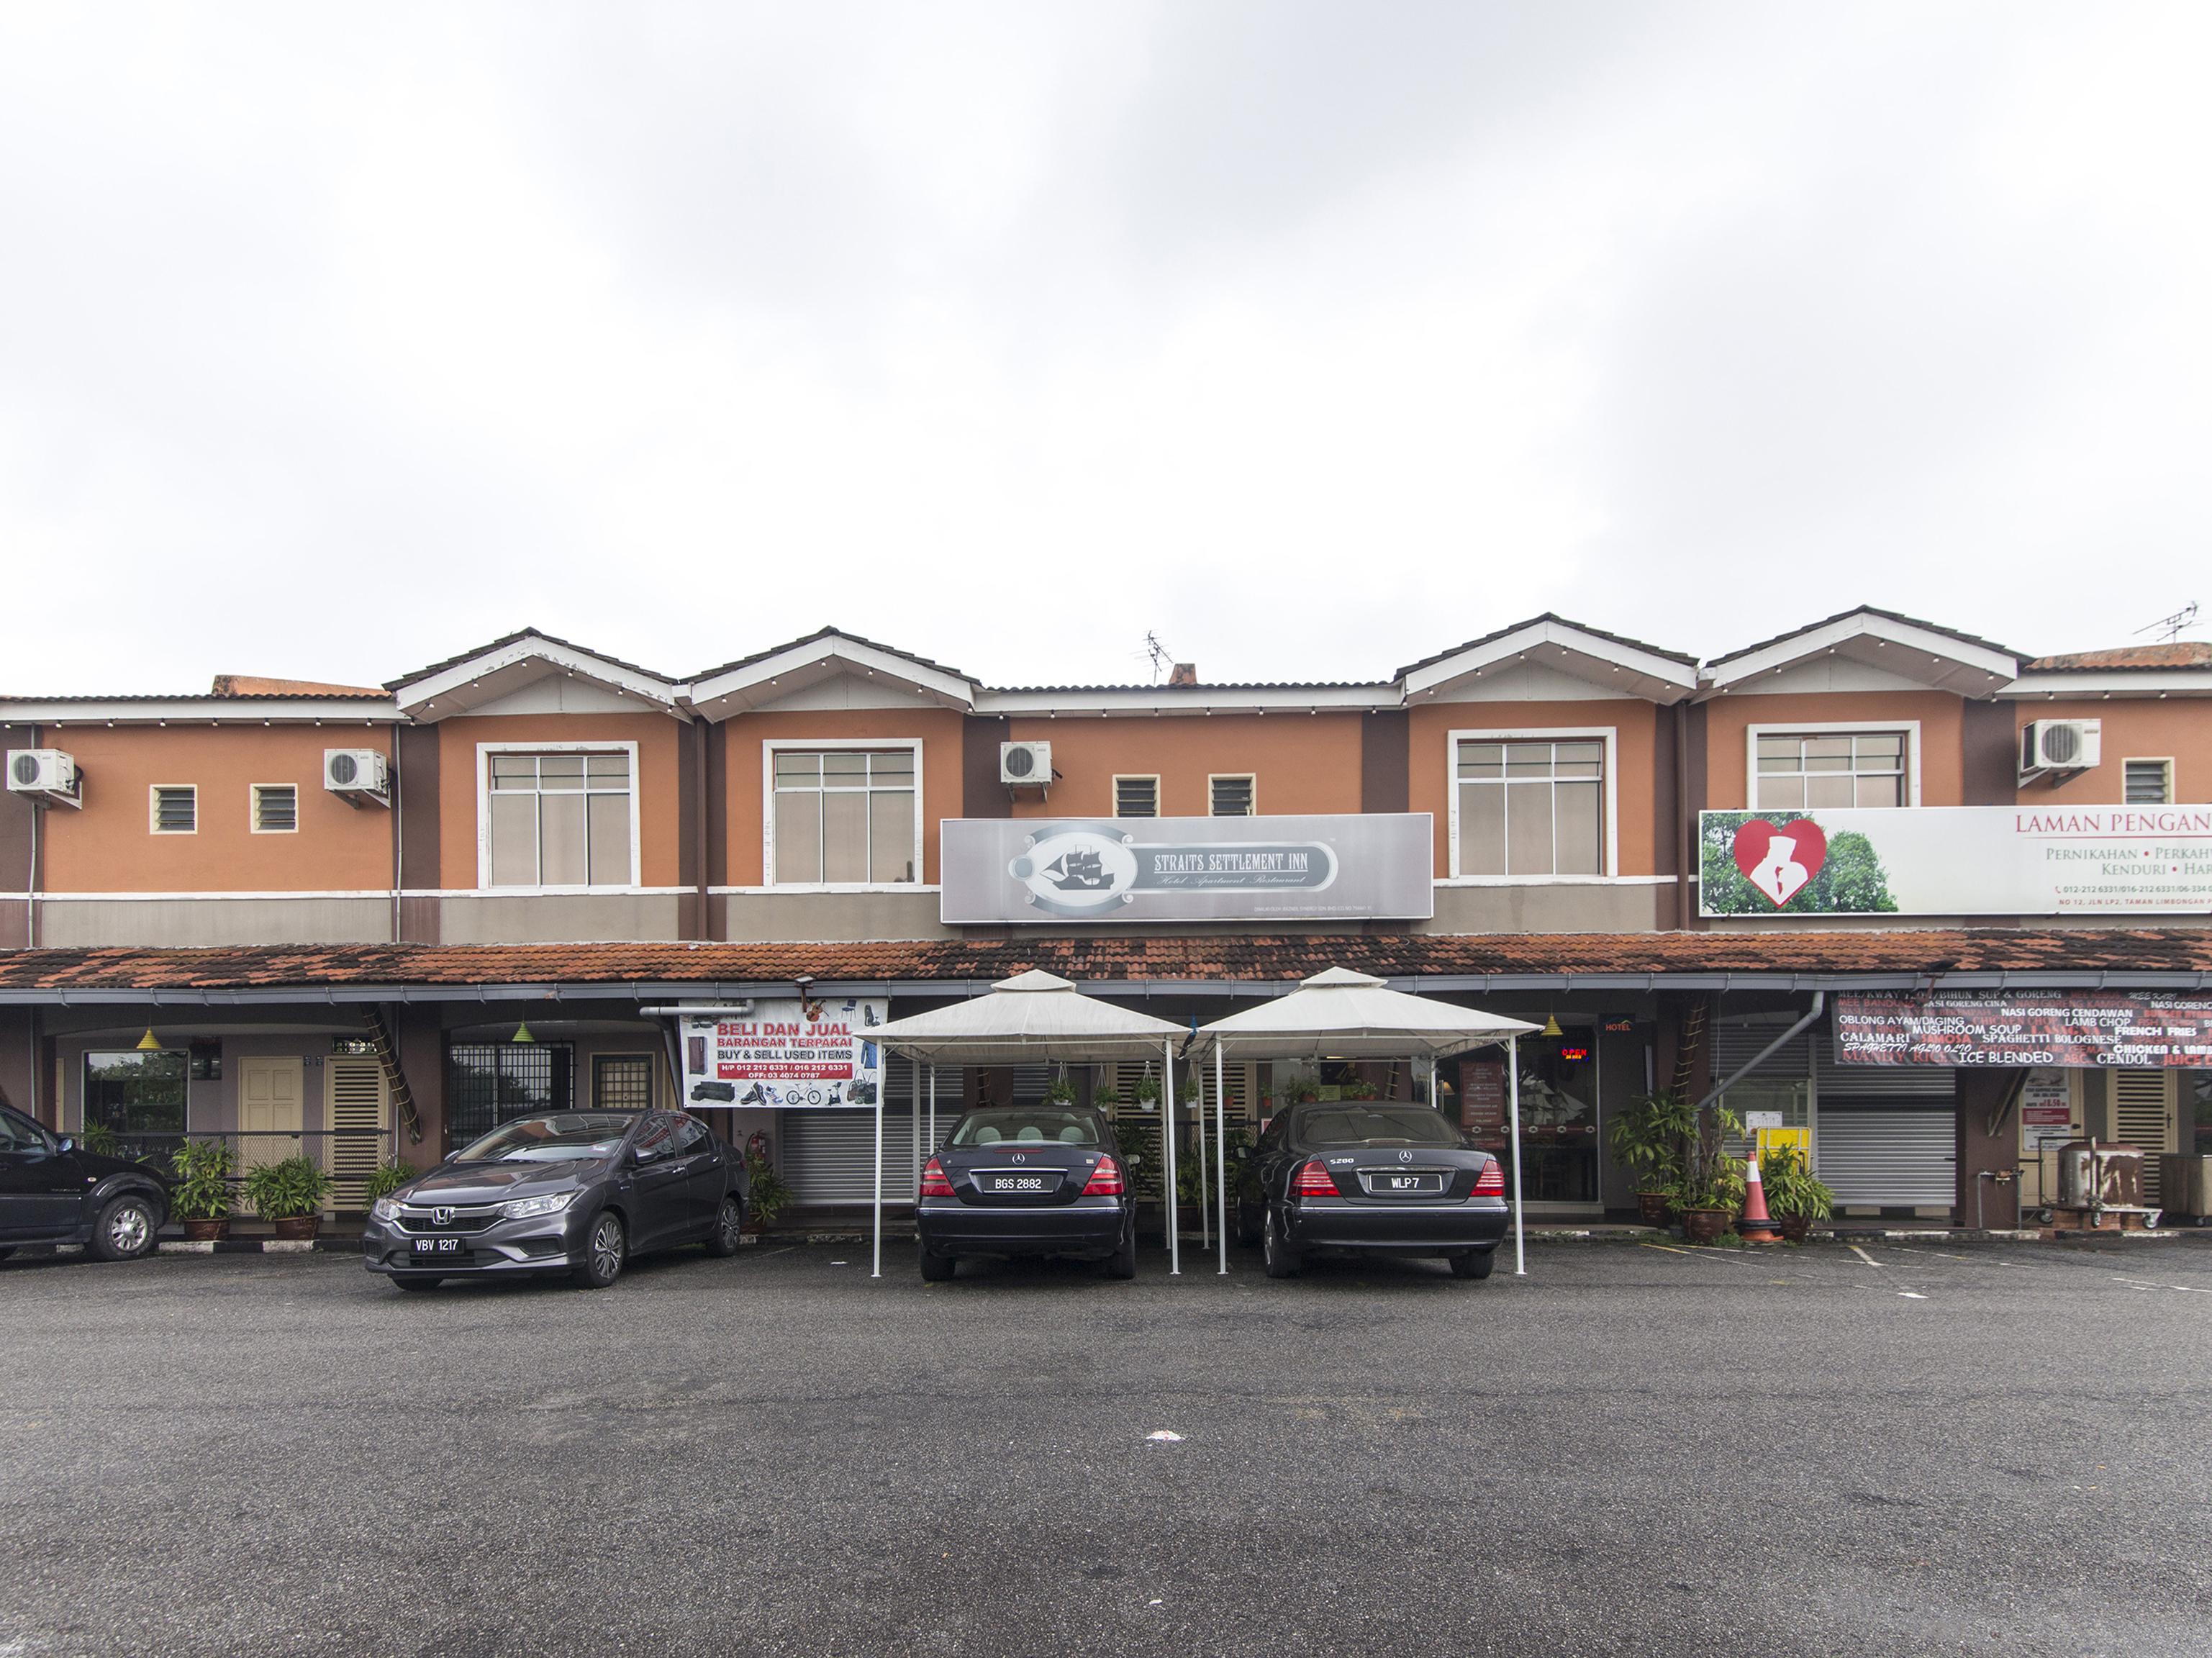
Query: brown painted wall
[
  {"x": 1943, "y": 780},
  {"x": 107, "y": 846},
  {"x": 1385, "y": 762},
  {"x": 1300, "y": 763},
  {"x": 659, "y": 740},
  {"x": 938, "y": 730},
  {"x": 2146, "y": 729},
  {"x": 1635, "y": 751}
]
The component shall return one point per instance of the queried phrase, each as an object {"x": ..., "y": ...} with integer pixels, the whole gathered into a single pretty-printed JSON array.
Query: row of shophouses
[{"x": 373, "y": 921}]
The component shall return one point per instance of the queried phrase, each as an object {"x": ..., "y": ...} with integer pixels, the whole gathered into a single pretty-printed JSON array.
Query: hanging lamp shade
[
  {"x": 522, "y": 1033},
  {"x": 149, "y": 1043},
  {"x": 1552, "y": 1025}
]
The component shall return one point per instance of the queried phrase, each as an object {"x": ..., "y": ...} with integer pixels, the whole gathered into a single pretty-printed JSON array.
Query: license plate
[
  {"x": 1010, "y": 1183},
  {"x": 1406, "y": 1186},
  {"x": 439, "y": 1247}
]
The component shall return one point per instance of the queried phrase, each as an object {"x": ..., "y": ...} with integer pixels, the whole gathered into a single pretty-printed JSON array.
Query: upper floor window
[
  {"x": 844, "y": 817},
  {"x": 1534, "y": 806},
  {"x": 276, "y": 808},
  {"x": 174, "y": 809},
  {"x": 1230, "y": 797},
  {"x": 560, "y": 819},
  {"x": 1136, "y": 796},
  {"x": 1807, "y": 771},
  {"x": 2147, "y": 782}
]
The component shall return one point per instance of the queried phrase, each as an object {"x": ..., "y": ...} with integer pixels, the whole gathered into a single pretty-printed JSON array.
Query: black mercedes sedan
[
  {"x": 574, "y": 1192},
  {"x": 1028, "y": 1180},
  {"x": 54, "y": 1191},
  {"x": 1371, "y": 1177}
]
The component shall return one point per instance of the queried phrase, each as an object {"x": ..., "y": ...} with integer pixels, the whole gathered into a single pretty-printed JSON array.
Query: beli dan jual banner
[
  {"x": 1957, "y": 860},
  {"x": 1188, "y": 868},
  {"x": 786, "y": 1055}
]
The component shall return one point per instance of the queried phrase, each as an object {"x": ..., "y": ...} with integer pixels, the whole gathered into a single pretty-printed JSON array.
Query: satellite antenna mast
[
  {"x": 1163, "y": 658},
  {"x": 2171, "y": 627}
]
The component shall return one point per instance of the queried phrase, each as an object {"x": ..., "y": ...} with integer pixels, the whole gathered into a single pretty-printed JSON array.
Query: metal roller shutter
[
  {"x": 1888, "y": 1156},
  {"x": 830, "y": 1157}
]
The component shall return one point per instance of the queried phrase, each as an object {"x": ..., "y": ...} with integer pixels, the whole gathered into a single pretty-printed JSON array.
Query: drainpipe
[
  {"x": 1812, "y": 1013},
  {"x": 1686, "y": 818}
]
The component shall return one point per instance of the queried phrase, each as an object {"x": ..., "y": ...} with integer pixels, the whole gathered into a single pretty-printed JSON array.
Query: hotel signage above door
[{"x": 1368, "y": 866}]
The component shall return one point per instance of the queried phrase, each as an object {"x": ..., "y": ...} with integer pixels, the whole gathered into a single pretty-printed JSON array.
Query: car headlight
[
  {"x": 386, "y": 1209},
  {"x": 522, "y": 1208}
]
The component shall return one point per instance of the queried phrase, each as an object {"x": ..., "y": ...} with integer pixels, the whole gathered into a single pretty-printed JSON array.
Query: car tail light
[
  {"x": 1313, "y": 1181},
  {"x": 1105, "y": 1180},
  {"x": 934, "y": 1183},
  {"x": 1491, "y": 1182}
]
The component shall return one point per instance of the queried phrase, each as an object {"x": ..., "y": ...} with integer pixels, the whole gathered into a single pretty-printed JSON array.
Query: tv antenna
[
  {"x": 2171, "y": 627},
  {"x": 1163, "y": 657}
]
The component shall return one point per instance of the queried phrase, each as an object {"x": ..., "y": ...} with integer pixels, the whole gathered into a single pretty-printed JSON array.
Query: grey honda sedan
[{"x": 574, "y": 1192}]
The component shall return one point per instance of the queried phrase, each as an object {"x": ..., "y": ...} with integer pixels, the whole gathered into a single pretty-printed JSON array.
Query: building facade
[{"x": 320, "y": 915}]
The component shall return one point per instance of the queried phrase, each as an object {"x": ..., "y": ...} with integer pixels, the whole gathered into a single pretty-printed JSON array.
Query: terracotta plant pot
[
  {"x": 1655, "y": 1207},
  {"x": 208, "y": 1231},
  {"x": 296, "y": 1227},
  {"x": 1705, "y": 1225},
  {"x": 1793, "y": 1227}
]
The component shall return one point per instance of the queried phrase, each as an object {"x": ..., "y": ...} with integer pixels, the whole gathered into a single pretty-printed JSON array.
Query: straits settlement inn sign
[
  {"x": 2139, "y": 1028},
  {"x": 1957, "y": 860},
  {"x": 1369, "y": 866},
  {"x": 788, "y": 1055}
]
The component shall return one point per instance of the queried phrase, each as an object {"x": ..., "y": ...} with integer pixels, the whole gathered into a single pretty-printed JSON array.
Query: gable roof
[
  {"x": 823, "y": 654},
  {"x": 490, "y": 672},
  {"x": 1608, "y": 660},
  {"x": 1940, "y": 658}
]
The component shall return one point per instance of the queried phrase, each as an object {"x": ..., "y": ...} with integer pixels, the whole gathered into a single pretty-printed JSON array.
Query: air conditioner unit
[
  {"x": 1026, "y": 764},
  {"x": 45, "y": 775},
  {"x": 2060, "y": 746},
  {"x": 356, "y": 774}
]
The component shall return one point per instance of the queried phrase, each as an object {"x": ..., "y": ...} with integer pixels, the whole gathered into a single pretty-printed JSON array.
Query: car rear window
[
  {"x": 565, "y": 1136},
  {"x": 1028, "y": 1125},
  {"x": 1374, "y": 1125}
]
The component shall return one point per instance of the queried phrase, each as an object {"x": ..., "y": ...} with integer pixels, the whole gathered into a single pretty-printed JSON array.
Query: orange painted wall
[
  {"x": 1633, "y": 784},
  {"x": 2134, "y": 729},
  {"x": 1941, "y": 717},
  {"x": 1299, "y": 762},
  {"x": 659, "y": 738},
  {"x": 938, "y": 730},
  {"x": 108, "y": 846}
]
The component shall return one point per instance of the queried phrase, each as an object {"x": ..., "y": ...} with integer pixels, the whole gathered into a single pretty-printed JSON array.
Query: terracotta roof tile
[{"x": 2174, "y": 653}]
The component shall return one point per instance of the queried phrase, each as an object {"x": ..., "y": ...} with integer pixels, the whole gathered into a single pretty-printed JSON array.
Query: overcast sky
[{"x": 1313, "y": 338}]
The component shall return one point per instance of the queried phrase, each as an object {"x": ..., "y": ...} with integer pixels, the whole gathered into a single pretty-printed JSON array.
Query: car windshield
[
  {"x": 1374, "y": 1125},
  {"x": 567, "y": 1137},
  {"x": 1029, "y": 1125}
]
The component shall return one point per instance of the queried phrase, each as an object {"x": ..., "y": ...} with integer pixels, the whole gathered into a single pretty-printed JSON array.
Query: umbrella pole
[
  {"x": 932, "y": 1109},
  {"x": 1168, "y": 1147},
  {"x": 1220, "y": 1158},
  {"x": 1205, "y": 1196},
  {"x": 1513, "y": 1101},
  {"x": 878, "y": 1270}
]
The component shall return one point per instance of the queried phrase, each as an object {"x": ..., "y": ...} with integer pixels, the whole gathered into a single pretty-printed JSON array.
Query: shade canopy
[
  {"x": 1029, "y": 1017},
  {"x": 1343, "y": 1015}
]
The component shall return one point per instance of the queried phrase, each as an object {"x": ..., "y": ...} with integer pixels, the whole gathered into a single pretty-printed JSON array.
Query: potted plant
[
  {"x": 1647, "y": 1140},
  {"x": 1146, "y": 1093},
  {"x": 1061, "y": 1090},
  {"x": 387, "y": 1178},
  {"x": 1107, "y": 1097},
  {"x": 290, "y": 1194},
  {"x": 202, "y": 1195},
  {"x": 769, "y": 1195},
  {"x": 1712, "y": 1180},
  {"x": 1794, "y": 1197}
]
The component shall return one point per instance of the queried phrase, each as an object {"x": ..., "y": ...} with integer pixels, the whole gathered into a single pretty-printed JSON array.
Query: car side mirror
[{"x": 66, "y": 1144}]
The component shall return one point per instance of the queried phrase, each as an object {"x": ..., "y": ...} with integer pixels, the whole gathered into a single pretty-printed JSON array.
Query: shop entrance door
[{"x": 270, "y": 1117}]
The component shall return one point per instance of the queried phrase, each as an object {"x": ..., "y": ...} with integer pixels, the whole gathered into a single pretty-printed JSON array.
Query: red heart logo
[{"x": 1779, "y": 861}]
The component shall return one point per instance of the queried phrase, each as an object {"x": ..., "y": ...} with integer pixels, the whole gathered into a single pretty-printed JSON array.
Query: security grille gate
[
  {"x": 1887, "y": 1135},
  {"x": 2144, "y": 1114}
]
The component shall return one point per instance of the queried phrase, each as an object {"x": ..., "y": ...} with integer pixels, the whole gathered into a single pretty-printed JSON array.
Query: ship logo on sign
[
  {"x": 1090, "y": 869},
  {"x": 1780, "y": 861}
]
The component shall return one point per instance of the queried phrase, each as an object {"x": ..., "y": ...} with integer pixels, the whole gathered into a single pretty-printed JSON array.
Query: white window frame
[
  {"x": 484, "y": 752},
  {"x": 1154, "y": 778},
  {"x": 1830, "y": 728},
  {"x": 153, "y": 808},
  {"x": 253, "y": 808},
  {"x": 1251, "y": 777},
  {"x": 2164, "y": 762},
  {"x": 1610, "y": 735},
  {"x": 770, "y": 747}
]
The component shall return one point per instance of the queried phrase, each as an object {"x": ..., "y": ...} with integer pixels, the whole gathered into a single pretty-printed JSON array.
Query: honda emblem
[{"x": 441, "y": 1217}]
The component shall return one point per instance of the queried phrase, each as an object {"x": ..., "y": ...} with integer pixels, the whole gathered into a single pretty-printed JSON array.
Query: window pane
[
  {"x": 1481, "y": 760},
  {"x": 559, "y": 771},
  {"x": 890, "y": 835},
  {"x": 514, "y": 840},
  {"x": 843, "y": 770},
  {"x": 1528, "y": 828},
  {"x": 1579, "y": 760},
  {"x": 1880, "y": 751},
  {"x": 1581, "y": 828},
  {"x": 607, "y": 770},
  {"x": 1781, "y": 794},
  {"x": 513, "y": 771},
  {"x": 791, "y": 769},
  {"x": 561, "y": 839},
  {"x": 1482, "y": 828},
  {"x": 891, "y": 766},
  {"x": 844, "y": 836},
  {"x": 1777, "y": 753},
  {"x": 610, "y": 825},
  {"x": 1529, "y": 760},
  {"x": 1824, "y": 789},
  {"x": 1881, "y": 791},
  {"x": 1827, "y": 754},
  {"x": 798, "y": 836}
]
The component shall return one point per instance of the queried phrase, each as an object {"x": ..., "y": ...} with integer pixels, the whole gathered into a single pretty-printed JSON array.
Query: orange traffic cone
[{"x": 1757, "y": 1226}]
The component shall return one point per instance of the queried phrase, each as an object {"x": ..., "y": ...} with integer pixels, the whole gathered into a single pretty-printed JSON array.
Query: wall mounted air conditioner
[
  {"x": 2058, "y": 745},
  {"x": 1025, "y": 765},
  {"x": 46, "y": 775},
  {"x": 358, "y": 775}
]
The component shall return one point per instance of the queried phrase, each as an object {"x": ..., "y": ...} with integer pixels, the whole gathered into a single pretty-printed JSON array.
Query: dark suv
[
  {"x": 53, "y": 1191},
  {"x": 576, "y": 1192}
]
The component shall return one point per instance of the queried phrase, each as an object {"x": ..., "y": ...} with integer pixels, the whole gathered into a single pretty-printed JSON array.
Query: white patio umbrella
[
  {"x": 1343, "y": 1015},
  {"x": 1031, "y": 1017}
]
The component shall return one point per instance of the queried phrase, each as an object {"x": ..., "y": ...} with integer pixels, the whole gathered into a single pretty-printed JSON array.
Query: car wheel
[
  {"x": 605, "y": 1247},
  {"x": 1475, "y": 1263},
  {"x": 936, "y": 1268},
  {"x": 1122, "y": 1263},
  {"x": 729, "y": 1229},
  {"x": 1283, "y": 1260},
  {"x": 125, "y": 1229},
  {"x": 418, "y": 1284}
]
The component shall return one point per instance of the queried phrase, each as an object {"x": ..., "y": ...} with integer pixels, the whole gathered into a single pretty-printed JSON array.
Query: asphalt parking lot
[{"x": 1922, "y": 1448}]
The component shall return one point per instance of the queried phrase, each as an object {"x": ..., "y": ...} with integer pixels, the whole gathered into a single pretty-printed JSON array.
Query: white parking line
[
  {"x": 1864, "y": 1256},
  {"x": 2186, "y": 1289}
]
